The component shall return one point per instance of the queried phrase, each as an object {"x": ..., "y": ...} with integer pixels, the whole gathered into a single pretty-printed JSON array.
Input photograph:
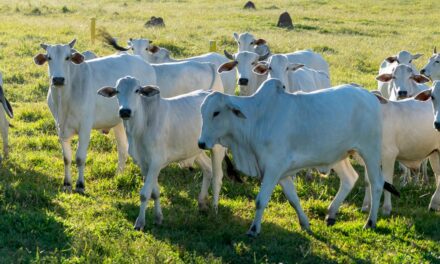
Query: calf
[
  {"x": 161, "y": 131},
  {"x": 4, "y": 124},
  {"x": 275, "y": 144}
]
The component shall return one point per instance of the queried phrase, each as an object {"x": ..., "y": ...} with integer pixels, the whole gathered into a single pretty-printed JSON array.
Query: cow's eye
[
  {"x": 49, "y": 58},
  {"x": 410, "y": 61},
  {"x": 67, "y": 58},
  {"x": 432, "y": 97},
  {"x": 437, "y": 61},
  {"x": 215, "y": 114}
]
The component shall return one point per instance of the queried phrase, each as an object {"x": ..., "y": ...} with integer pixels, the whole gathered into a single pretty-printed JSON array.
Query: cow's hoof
[
  {"x": 365, "y": 208},
  {"x": 306, "y": 228},
  {"x": 81, "y": 191},
  {"x": 203, "y": 207},
  {"x": 80, "y": 188},
  {"x": 158, "y": 219},
  {"x": 370, "y": 225},
  {"x": 139, "y": 225},
  {"x": 433, "y": 207},
  {"x": 252, "y": 232},
  {"x": 330, "y": 221},
  {"x": 386, "y": 211},
  {"x": 67, "y": 188}
]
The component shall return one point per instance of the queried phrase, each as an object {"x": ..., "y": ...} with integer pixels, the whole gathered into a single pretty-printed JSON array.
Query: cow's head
[
  {"x": 432, "y": 68},
  {"x": 129, "y": 93},
  {"x": 60, "y": 58},
  {"x": 244, "y": 62},
  {"x": 247, "y": 42},
  {"x": 403, "y": 82},
  {"x": 219, "y": 114},
  {"x": 140, "y": 47},
  {"x": 403, "y": 57},
  {"x": 434, "y": 95},
  {"x": 277, "y": 67}
]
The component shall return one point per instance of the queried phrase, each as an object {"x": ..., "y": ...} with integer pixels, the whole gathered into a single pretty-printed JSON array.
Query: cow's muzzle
[
  {"x": 243, "y": 81},
  {"x": 402, "y": 94},
  {"x": 437, "y": 125},
  {"x": 58, "y": 80},
  {"x": 202, "y": 145},
  {"x": 124, "y": 113}
]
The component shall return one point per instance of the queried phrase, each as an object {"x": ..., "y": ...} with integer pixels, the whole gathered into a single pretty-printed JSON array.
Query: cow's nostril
[
  {"x": 437, "y": 125},
  {"x": 402, "y": 93},
  {"x": 243, "y": 81},
  {"x": 124, "y": 113},
  {"x": 58, "y": 80},
  {"x": 202, "y": 145},
  {"x": 422, "y": 71}
]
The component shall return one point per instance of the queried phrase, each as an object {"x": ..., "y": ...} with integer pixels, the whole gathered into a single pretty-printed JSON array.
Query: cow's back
[{"x": 310, "y": 59}]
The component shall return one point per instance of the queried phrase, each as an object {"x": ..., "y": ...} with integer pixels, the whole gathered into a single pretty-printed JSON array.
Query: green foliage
[{"x": 40, "y": 223}]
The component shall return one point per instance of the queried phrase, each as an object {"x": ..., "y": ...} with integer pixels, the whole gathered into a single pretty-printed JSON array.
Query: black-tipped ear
[
  {"x": 148, "y": 91},
  {"x": 44, "y": 46},
  {"x": 236, "y": 110},
  {"x": 391, "y": 59},
  {"x": 228, "y": 55},
  {"x": 423, "y": 95},
  {"x": 72, "y": 43},
  {"x": 107, "y": 92}
]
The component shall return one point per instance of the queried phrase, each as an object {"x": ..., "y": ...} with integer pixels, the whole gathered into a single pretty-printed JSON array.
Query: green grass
[{"x": 40, "y": 223}]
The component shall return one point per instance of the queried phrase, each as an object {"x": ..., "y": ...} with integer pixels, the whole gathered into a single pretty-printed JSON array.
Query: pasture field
[{"x": 40, "y": 223}]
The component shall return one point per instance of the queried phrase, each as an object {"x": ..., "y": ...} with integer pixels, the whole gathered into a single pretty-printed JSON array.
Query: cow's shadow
[{"x": 29, "y": 227}]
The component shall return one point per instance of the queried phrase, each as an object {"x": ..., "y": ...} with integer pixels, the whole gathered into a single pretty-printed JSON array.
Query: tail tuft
[{"x": 389, "y": 187}]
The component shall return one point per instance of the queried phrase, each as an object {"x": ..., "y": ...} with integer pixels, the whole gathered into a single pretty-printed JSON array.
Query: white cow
[
  {"x": 4, "y": 124},
  {"x": 296, "y": 77},
  {"x": 247, "y": 42},
  {"x": 155, "y": 54},
  {"x": 75, "y": 106},
  {"x": 301, "y": 130},
  {"x": 408, "y": 137},
  {"x": 387, "y": 66},
  {"x": 161, "y": 131},
  {"x": 432, "y": 68}
]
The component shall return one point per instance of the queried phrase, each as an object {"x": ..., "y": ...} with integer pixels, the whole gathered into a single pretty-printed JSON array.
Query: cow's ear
[
  {"x": 40, "y": 59},
  {"x": 72, "y": 43},
  {"x": 261, "y": 69},
  {"x": 44, "y": 46},
  {"x": 391, "y": 59},
  {"x": 227, "y": 66},
  {"x": 108, "y": 91},
  {"x": 236, "y": 36},
  {"x": 148, "y": 91},
  {"x": 294, "y": 66},
  {"x": 423, "y": 95},
  {"x": 77, "y": 58},
  {"x": 386, "y": 77},
  {"x": 420, "y": 78},
  {"x": 416, "y": 56},
  {"x": 259, "y": 42},
  {"x": 235, "y": 110},
  {"x": 153, "y": 49},
  {"x": 379, "y": 96}
]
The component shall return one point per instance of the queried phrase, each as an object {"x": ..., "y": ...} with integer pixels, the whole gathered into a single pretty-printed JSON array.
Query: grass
[{"x": 40, "y": 223}]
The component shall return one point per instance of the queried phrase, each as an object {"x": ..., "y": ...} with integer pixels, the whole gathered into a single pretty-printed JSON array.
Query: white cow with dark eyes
[
  {"x": 389, "y": 64},
  {"x": 432, "y": 68},
  {"x": 5, "y": 109},
  {"x": 155, "y": 54},
  {"x": 273, "y": 134},
  {"x": 161, "y": 131}
]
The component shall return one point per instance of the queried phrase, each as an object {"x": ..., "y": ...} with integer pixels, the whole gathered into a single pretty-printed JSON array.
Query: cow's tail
[
  {"x": 108, "y": 39},
  {"x": 231, "y": 172},
  {"x": 216, "y": 81},
  {"x": 389, "y": 187}
]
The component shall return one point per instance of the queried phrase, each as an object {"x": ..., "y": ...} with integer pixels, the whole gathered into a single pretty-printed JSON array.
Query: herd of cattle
[{"x": 287, "y": 117}]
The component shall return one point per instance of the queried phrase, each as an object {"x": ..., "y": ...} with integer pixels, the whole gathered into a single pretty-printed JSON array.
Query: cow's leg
[
  {"x": 4, "y": 126},
  {"x": 218, "y": 153},
  {"x": 67, "y": 157},
  {"x": 205, "y": 165},
  {"x": 150, "y": 178},
  {"x": 387, "y": 171},
  {"x": 122, "y": 145},
  {"x": 406, "y": 174},
  {"x": 155, "y": 195},
  {"x": 367, "y": 201},
  {"x": 348, "y": 177},
  {"x": 434, "y": 159},
  {"x": 81, "y": 155},
  {"x": 291, "y": 195},
  {"x": 376, "y": 181},
  {"x": 425, "y": 171},
  {"x": 270, "y": 180}
]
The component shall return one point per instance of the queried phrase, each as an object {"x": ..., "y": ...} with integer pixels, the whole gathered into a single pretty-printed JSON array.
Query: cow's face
[
  {"x": 128, "y": 91},
  {"x": 140, "y": 47},
  {"x": 403, "y": 82},
  {"x": 403, "y": 57},
  {"x": 247, "y": 42},
  {"x": 434, "y": 95},
  {"x": 432, "y": 69},
  {"x": 217, "y": 118},
  {"x": 59, "y": 58},
  {"x": 277, "y": 67}
]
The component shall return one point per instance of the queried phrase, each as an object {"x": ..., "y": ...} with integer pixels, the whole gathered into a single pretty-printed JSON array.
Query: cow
[
  {"x": 161, "y": 131},
  {"x": 6, "y": 109},
  {"x": 387, "y": 66},
  {"x": 247, "y": 42},
  {"x": 75, "y": 106},
  {"x": 301, "y": 130},
  {"x": 89, "y": 55},
  {"x": 155, "y": 54},
  {"x": 432, "y": 68},
  {"x": 295, "y": 76},
  {"x": 408, "y": 137}
]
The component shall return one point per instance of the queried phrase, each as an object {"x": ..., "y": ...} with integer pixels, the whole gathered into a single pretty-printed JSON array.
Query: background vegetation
[{"x": 40, "y": 223}]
